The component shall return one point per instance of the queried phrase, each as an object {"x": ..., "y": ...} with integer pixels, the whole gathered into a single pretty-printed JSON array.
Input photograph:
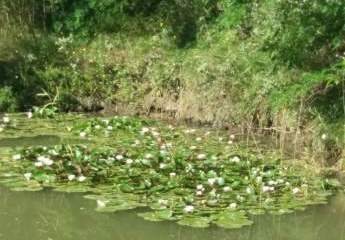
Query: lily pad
[{"x": 232, "y": 219}]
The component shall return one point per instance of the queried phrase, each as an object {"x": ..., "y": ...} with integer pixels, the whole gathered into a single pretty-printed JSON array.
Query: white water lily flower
[
  {"x": 47, "y": 162},
  {"x": 198, "y": 139},
  {"x": 199, "y": 193},
  {"x": 97, "y": 127},
  {"x": 81, "y": 178},
  {"x": 148, "y": 155},
  {"x": 1, "y": 129},
  {"x": 230, "y": 142},
  {"x": 211, "y": 181},
  {"x": 106, "y": 121},
  {"x": 119, "y": 157},
  {"x": 53, "y": 152},
  {"x": 220, "y": 139},
  {"x": 144, "y": 130},
  {"x": 101, "y": 204},
  {"x": 248, "y": 190},
  {"x": 267, "y": 189},
  {"x": 71, "y": 177},
  {"x": 38, "y": 164},
  {"x": 271, "y": 182},
  {"x": 6, "y": 119},
  {"x": 200, "y": 187},
  {"x": 233, "y": 205},
  {"x": 227, "y": 189},
  {"x": 258, "y": 179},
  {"x": 110, "y": 128},
  {"x": 169, "y": 145},
  {"x": 155, "y": 134},
  {"x": 129, "y": 161},
  {"x": 162, "y": 165},
  {"x": 188, "y": 209},
  {"x": 28, "y": 176},
  {"x": 172, "y": 174},
  {"x": 296, "y": 190},
  {"x": 29, "y": 115},
  {"x": 193, "y": 147},
  {"x": 232, "y": 136},
  {"x": 82, "y": 134},
  {"x": 201, "y": 156},
  {"x": 16, "y": 157},
  {"x": 324, "y": 136},
  {"x": 280, "y": 181},
  {"x": 235, "y": 159},
  {"x": 287, "y": 184},
  {"x": 163, "y": 202},
  {"x": 220, "y": 181}
]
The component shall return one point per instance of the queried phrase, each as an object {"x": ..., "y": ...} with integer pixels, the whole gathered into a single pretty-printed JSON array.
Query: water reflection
[{"x": 49, "y": 215}]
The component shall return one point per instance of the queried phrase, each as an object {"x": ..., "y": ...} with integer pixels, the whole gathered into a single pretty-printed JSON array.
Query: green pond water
[{"x": 50, "y": 215}]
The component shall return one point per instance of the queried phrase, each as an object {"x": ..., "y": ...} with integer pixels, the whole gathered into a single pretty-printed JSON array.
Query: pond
[
  {"x": 214, "y": 188},
  {"x": 48, "y": 215}
]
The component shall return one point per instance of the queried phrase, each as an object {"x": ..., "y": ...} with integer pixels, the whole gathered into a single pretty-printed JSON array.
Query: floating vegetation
[{"x": 183, "y": 175}]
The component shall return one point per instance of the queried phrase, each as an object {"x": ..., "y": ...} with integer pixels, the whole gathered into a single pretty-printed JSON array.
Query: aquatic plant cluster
[{"x": 194, "y": 177}]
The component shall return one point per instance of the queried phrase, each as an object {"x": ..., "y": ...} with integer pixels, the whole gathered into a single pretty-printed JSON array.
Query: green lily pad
[
  {"x": 195, "y": 221},
  {"x": 232, "y": 219}
]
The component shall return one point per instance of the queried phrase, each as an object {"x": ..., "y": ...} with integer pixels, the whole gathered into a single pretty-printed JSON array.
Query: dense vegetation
[{"x": 254, "y": 64}]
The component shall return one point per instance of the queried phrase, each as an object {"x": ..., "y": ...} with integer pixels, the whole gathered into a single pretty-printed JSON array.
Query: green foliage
[
  {"x": 8, "y": 102},
  {"x": 308, "y": 33}
]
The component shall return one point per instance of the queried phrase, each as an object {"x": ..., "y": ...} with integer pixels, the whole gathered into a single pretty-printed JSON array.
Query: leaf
[
  {"x": 157, "y": 216},
  {"x": 232, "y": 220},
  {"x": 195, "y": 221}
]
